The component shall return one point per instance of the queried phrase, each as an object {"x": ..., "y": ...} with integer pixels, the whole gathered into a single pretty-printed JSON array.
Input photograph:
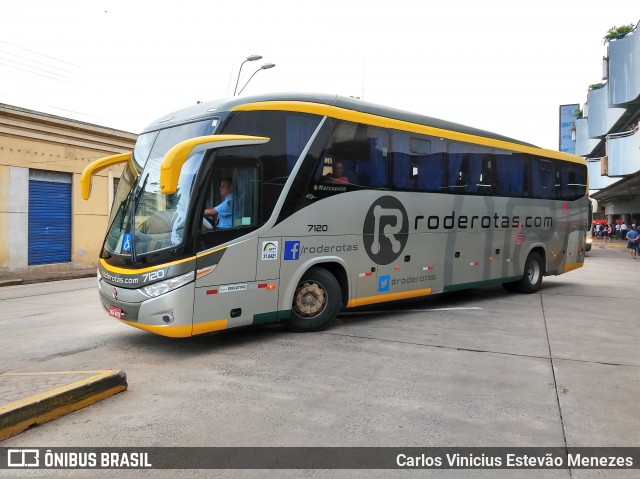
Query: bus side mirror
[{"x": 99, "y": 165}]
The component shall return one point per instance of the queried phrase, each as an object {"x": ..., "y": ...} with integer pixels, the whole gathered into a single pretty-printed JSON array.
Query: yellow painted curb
[{"x": 39, "y": 408}]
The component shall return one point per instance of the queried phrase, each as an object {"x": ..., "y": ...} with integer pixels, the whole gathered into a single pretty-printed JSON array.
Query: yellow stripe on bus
[
  {"x": 115, "y": 269},
  {"x": 384, "y": 122},
  {"x": 572, "y": 266},
  {"x": 181, "y": 331},
  {"x": 382, "y": 298},
  {"x": 210, "y": 326},
  {"x": 205, "y": 253}
]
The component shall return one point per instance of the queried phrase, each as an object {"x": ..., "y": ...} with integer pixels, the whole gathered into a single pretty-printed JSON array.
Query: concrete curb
[
  {"x": 37, "y": 409},
  {"x": 46, "y": 278}
]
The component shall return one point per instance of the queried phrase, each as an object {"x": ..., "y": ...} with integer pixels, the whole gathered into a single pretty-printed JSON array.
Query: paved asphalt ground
[{"x": 593, "y": 351}]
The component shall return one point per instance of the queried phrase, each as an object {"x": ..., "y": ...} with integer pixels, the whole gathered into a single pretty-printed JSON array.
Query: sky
[{"x": 501, "y": 66}]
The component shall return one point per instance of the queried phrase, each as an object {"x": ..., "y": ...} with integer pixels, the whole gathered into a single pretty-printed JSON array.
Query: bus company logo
[
  {"x": 385, "y": 230},
  {"x": 291, "y": 250},
  {"x": 269, "y": 250},
  {"x": 23, "y": 458}
]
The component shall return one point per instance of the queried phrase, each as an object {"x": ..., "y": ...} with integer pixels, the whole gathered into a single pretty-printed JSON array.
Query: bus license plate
[{"x": 115, "y": 312}]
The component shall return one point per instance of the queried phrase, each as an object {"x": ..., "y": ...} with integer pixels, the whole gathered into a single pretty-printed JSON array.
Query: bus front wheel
[
  {"x": 532, "y": 277},
  {"x": 316, "y": 301}
]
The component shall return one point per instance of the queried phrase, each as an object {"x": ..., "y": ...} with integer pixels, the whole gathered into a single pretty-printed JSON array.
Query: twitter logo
[{"x": 383, "y": 283}]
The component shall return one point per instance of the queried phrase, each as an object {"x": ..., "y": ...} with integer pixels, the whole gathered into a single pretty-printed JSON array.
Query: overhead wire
[
  {"x": 29, "y": 68},
  {"x": 38, "y": 53},
  {"x": 42, "y": 65}
]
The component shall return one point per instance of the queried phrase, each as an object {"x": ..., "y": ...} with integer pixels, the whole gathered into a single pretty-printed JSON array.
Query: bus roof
[{"x": 208, "y": 109}]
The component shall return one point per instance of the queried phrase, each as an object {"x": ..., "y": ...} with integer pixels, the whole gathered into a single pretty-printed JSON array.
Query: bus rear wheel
[
  {"x": 316, "y": 301},
  {"x": 532, "y": 278}
]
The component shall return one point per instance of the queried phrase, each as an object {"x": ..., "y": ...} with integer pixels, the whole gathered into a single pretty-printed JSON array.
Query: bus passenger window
[
  {"x": 431, "y": 172},
  {"x": 418, "y": 162},
  {"x": 458, "y": 172},
  {"x": 543, "y": 179},
  {"x": 355, "y": 157},
  {"x": 573, "y": 180},
  {"x": 480, "y": 174},
  {"x": 403, "y": 173},
  {"x": 510, "y": 175}
]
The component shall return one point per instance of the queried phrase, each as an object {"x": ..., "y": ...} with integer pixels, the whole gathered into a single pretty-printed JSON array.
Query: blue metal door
[{"x": 49, "y": 222}]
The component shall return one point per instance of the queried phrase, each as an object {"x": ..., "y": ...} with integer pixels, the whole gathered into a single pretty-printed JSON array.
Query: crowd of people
[{"x": 620, "y": 231}]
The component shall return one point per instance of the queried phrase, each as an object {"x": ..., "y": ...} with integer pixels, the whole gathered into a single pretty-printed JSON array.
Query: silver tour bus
[{"x": 289, "y": 207}]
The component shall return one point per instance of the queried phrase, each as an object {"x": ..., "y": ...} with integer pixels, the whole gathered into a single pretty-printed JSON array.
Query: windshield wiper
[{"x": 132, "y": 218}]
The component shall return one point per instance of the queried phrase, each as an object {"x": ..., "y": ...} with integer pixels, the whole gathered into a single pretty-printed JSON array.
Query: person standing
[
  {"x": 632, "y": 239},
  {"x": 623, "y": 231}
]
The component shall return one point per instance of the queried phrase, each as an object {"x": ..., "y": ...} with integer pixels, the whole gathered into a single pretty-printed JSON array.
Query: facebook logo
[
  {"x": 291, "y": 250},
  {"x": 383, "y": 283}
]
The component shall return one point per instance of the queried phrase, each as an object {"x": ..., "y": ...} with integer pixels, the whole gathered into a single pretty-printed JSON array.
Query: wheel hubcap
[
  {"x": 311, "y": 299},
  {"x": 534, "y": 273}
]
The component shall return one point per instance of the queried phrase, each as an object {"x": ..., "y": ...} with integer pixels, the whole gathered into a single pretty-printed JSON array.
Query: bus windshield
[{"x": 149, "y": 220}]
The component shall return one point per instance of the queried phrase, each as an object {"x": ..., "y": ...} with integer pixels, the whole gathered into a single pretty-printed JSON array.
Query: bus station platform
[{"x": 31, "y": 398}]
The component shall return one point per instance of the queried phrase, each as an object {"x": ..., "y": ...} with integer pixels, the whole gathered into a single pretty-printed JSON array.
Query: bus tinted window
[
  {"x": 289, "y": 133},
  {"x": 355, "y": 157},
  {"x": 418, "y": 162},
  {"x": 466, "y": 167},
  {"x": 469, "y": 169},
  {"x": 544, "y": 179},
  {"x": 510, "y": 176},
  {"x": 573, "y": 181}
]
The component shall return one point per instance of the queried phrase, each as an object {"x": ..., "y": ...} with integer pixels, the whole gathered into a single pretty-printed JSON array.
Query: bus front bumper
[{"x": 170, "y": 314}]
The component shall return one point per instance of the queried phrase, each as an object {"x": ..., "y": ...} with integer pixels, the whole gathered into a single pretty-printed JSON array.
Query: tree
[{"x": 617, "y": 32}]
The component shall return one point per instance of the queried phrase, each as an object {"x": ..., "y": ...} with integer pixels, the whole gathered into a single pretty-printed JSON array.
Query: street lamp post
[
  {"x": 250, "y": 58},
  {"x": 266, "y": 66}
]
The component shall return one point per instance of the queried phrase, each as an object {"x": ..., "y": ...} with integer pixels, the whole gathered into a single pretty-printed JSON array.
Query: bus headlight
[
  {"x": 157, "y": 289},
  {"x": 589, "y": 240}
]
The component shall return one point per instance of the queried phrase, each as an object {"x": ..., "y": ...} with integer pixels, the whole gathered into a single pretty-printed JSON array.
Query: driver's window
[
  {"x": 245, "y": 204},
  {"x": 232, "y": 200}
]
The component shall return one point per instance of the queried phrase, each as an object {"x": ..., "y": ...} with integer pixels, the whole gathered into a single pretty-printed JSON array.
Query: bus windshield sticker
[
  {"x": 269, "y": 250},
  {"x": 126, "y": 243}
]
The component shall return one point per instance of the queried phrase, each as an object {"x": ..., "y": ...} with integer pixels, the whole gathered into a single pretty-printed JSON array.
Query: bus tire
[
  {"x": 316, "y": 301},
  {"x": 532, "y": 278}
]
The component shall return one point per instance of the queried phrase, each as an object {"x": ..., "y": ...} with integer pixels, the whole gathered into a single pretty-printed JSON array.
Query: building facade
[
  {"x": 607, "y": 134},
  {"x": 43, "y": 219}
]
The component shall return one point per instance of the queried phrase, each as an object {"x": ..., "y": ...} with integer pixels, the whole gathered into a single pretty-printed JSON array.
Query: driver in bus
[{"x": 224, "y": 210}]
